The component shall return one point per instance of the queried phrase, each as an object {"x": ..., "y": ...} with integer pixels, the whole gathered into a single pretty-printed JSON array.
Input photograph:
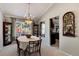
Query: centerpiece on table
[{"x": 28, "y": 35}]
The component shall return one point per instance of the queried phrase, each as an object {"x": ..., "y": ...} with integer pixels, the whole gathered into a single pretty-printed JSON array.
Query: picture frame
[{"x": 69, "y": 24}]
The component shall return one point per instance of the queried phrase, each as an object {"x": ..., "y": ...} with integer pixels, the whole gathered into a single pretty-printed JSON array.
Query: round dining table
[{"x": 24, "y": 41}]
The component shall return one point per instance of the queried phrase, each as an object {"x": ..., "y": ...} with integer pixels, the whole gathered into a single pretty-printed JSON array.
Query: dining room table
[{"x": 24, "y": 41}]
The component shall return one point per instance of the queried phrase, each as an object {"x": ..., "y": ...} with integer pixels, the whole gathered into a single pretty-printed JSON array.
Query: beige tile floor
[{"x": 11, "y": 50}]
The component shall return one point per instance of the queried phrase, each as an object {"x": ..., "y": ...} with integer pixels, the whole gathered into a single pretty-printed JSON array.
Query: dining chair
[
  {"x": 34, "y": 47},
  {"x": 20, "y": 49}
]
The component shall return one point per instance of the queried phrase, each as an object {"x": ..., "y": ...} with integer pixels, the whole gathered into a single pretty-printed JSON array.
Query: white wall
[
  {"x": 1, "y": 30},
  {"x": 7, "y": 19},
  {"x": 45, "y": 40},
  {"x": 67, "y": 44}
]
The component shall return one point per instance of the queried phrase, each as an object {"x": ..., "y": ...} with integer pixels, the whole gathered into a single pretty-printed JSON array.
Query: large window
[{"x": 23, "y": 28}]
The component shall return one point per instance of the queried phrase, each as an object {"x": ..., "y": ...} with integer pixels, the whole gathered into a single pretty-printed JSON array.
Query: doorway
[{"x": 54, "y": 31}]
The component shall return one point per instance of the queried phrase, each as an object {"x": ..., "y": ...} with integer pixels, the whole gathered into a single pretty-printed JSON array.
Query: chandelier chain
[{"x": 28, "y": 9}]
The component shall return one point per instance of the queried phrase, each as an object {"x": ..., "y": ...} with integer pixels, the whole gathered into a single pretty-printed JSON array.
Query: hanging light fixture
[{"x": 28, "y": 20}]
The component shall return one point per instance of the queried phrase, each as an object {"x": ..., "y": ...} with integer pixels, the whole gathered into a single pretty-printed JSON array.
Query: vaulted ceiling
[{"x": 20, "y": 9}]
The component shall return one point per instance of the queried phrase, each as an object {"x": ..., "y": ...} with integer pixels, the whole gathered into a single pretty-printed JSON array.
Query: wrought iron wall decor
[{"x": 69, "y": 24}]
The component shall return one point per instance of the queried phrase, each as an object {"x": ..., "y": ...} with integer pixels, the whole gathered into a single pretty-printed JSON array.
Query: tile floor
[{"x": 11, "y": 50}]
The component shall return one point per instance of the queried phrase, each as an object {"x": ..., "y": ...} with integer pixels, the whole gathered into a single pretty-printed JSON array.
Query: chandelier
[{"x": 28, "y": 19}]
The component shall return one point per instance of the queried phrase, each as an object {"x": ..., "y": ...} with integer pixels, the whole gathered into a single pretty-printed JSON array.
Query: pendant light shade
[{"x": 28, "y": 20}]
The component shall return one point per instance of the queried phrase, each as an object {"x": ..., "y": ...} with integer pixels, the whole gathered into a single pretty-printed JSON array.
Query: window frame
[{"x": 43, "y": 35}]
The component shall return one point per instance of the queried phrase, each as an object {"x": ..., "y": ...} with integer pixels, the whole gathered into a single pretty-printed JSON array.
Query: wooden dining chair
[
  {"x": 20, "y": 49},
  {"x": 34, "y": 47}
]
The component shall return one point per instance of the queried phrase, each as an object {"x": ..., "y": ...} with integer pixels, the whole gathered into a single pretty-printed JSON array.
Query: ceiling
[{"x": 20, "y": 9}]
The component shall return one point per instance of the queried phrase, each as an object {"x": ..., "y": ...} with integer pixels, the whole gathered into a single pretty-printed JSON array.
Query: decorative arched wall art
[{"x": 69, "y": 24}]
